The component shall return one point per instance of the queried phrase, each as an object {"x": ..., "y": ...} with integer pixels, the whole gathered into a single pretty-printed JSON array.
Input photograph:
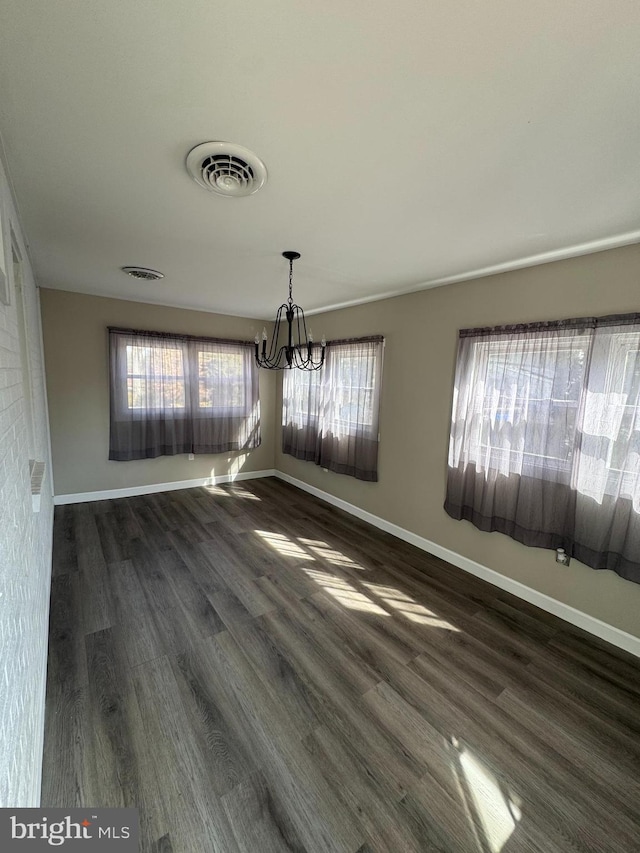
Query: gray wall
[
  {"x": 25, "y": 535},
  {"x": 76, "y": 354},
  {"x": 421, "y": 337}
]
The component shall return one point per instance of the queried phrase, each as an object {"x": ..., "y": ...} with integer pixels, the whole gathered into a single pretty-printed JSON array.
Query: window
[
  {"x": 180, "y": 394},
  {"x": 330, "y": 416},
  {"x": 545, "y": 437},
  {"x": 526, "y": 404},
  {"x": 155, "y": 378},
  {"x": 217, "y": 371},
  {"x": 354, "y": 391}
]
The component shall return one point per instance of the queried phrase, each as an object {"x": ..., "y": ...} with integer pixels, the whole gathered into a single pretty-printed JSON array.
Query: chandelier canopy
[{"x": 298, "y": 351}]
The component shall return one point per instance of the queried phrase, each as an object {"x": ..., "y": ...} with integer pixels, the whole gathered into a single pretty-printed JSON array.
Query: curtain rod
[
  {"x": 365, "y": 340},
  {"x": 551, "y": 325},
  {"x": 177, "y": 336}
]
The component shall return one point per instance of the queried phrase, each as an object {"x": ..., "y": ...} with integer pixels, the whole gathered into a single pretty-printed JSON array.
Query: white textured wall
[{"x": 25, "y": 544}]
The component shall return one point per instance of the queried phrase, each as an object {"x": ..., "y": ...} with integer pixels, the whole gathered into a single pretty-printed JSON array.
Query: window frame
[
  {"x": 356, "y": 427},
  {"x": 619, "y": 348},
  {"x": 191, "y": 348},
  {"x": 239, "y": 411},
  {"x": 532, "y": 469},
  {"x": 150, "y": 411}
]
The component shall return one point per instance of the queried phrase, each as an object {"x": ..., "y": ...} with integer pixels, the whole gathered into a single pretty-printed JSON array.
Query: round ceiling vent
[
  {"x": 143, "y": 273},
  {"x": 226, "y": 168}
]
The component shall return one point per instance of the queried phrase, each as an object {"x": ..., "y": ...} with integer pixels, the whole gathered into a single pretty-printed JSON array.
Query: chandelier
[{"x": 298, "y": 350}]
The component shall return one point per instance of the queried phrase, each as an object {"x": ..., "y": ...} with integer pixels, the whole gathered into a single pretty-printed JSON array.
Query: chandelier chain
[{"x": 290, "y": 280}]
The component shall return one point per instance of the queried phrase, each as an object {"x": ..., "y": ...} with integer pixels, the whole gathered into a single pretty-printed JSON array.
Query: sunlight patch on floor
[
  {"x": 317, "y": 574},
  {"x": 345, "y": 593},
  {"x": 336, "y": 557},
  {"x": 496, "y": 812},
  {"x": 349, "y": 595},
  {"x": 231, "y": 492},
  {"x": 326, "y": 552},
  {"x": 285, "y": 546},
  {"x": 409, "y": 607},
  {"x": 387, "y": 591},
  {"x": 355, "y": 600},
  {"x": 320, "y": 575}
]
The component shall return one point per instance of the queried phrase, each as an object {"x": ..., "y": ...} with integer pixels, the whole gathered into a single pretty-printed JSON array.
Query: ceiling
[{"x": 407, "y": 144}]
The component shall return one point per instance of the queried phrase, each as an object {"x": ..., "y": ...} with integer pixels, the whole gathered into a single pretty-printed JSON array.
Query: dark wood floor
[{"x": 256, "y": 671}]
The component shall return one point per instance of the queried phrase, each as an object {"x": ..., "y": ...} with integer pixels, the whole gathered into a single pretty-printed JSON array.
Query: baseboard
[
  {"x": 132, "y": 491},
  {"x": 597, "y": 627}
]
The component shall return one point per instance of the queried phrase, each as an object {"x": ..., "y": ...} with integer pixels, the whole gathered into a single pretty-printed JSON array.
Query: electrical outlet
[{"x": 191, "y": 457}]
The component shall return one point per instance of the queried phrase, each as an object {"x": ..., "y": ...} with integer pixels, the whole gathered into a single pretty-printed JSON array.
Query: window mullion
[{"x": 191, "y": 378}]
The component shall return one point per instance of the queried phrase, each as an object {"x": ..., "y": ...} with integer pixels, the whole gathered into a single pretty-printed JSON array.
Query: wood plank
[
  {"x": 366, "y": 797},
  {"x": 65, "y": 556},
  {"x": 154, "y": 535},
  {"x": 320, "y": 820},
  {"x": 142, "y": 638},
  {"x": 187, "y": 793},
  {"x": 311, "y": 641},
  {"x": 279, "y": 676},
  {"x": 238, "y": 577},
  {"x": 162, "y": 845},
  {"x": 228, "y": 758},
  {"x": 95, "y": 590},
  {"x": 258, "y": 822},
  {"x": 114, "y": 545},
  {"x": 67, "y": 750},
  {"x": 169, "y": 585},
  {"x": 121, "y": 759}
]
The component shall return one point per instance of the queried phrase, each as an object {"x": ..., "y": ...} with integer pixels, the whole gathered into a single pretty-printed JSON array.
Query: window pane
[
  {"x": 526, "y": 395},
  {"x": 301, "y": 394},
  {"x": 155, "y": 377},
  {"x": 613, "y": 401},
  {"x": 353, "y": 391},
  {"x": 220, "y": 379}
]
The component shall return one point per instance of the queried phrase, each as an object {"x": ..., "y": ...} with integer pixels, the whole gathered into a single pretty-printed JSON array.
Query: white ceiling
[{"x": 406, "y": 143}]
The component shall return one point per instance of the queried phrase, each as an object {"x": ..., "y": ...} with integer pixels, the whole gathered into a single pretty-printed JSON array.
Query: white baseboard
[
  {"x": 132, "y": 491},
  {"x": 591, "y": 624}
]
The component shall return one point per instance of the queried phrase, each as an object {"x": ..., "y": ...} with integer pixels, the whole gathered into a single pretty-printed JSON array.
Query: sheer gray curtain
[
  {"x": 545, "y": 437},
  {"x": 330, "y": 416},
  {"x": 174, "y": 394}
]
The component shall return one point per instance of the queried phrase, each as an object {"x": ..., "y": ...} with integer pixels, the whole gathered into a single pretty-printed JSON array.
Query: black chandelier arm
[
  {"x": 264, "y": 359},
  {"x": 296, "y": 363},
  {"x": 303, "y": 357},
  {"x": 302, "y": 335},
  {"x": 273, "y": 348},
  {"x": 298, "y": 356}
]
